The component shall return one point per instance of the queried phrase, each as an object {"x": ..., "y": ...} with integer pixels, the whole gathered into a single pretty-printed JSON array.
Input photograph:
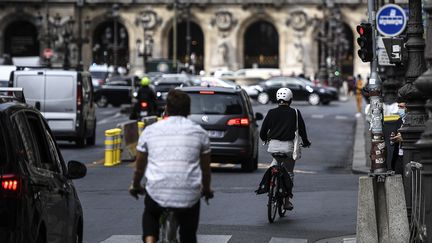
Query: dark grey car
[
  {"x": 38, "y": 201},
  {"x": 228, "y": 117}
]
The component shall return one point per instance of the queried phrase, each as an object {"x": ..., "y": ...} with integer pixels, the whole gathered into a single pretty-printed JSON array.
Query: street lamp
[{"x": 424, "y": 83}]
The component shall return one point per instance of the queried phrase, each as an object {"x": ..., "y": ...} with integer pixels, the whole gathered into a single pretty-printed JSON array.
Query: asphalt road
[{"x": 325, "y": 192}]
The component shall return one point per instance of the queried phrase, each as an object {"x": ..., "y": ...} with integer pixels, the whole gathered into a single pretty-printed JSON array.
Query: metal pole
[
  {"x": 144, "y": 50},
  {"x": 188, "y": 36},
  {"x": 116, "y": 47},
  {"x": 175, "y": 36},
  {"x": 80, "y": 39},
  {"x": 377, "y": 152},
  {"x": 416, "y": 116},
  {"x": 424, "y": 83}
]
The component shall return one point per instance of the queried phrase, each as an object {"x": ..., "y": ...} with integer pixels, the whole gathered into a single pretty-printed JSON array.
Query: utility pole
[
  {"x": 175, "y": 36},
  {"x": 424, "y": 83},
  {"x": 80, "y": 4},
  {"x": 416, "y": 117}
]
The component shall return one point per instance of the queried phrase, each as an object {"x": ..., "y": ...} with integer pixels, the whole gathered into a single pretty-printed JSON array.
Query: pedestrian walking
[
  {"x": 359, "y": 96},
  {"x": 174, "y": 155},
  {"x": 396, "y": 141}
]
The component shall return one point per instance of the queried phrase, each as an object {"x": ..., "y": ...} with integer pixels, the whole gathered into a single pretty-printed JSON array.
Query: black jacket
[{"x": 280, "y": 124}]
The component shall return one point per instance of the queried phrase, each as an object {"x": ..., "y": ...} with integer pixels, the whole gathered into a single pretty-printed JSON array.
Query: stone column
[
  {"x": 416, "y": 117},
  {"x": 424, "y": 83}
]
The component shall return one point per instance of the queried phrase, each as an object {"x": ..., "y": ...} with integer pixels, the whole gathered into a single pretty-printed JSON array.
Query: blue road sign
[{"x": 391, "y": 20}]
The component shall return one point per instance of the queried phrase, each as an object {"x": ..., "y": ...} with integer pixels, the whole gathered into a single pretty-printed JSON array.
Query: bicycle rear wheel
[{"x": 272, "y": 200}]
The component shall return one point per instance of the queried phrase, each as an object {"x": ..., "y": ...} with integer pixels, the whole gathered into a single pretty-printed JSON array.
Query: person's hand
[
  {"x": 306, "y": 144},
  {"x": 396, "y": 138},
  {"x": 207, "y": 194},
  {"x": 135, "y": 191}
]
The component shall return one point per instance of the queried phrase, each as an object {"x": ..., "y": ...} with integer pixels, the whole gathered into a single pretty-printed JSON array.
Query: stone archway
[
  {"x": 196, "y": 44},
  {"x": 106, "y": 48},
  {"x": 21, "y": 39},
  {"x": 261, "y": 45}
]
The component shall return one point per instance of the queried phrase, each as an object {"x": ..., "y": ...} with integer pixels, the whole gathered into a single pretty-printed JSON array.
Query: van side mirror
[
  {"x": 76, "y": 170},
  {"x": 259, "y": 116}
]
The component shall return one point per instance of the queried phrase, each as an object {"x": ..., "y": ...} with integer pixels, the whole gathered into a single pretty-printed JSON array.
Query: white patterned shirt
[{"x": 173, "y": 172}]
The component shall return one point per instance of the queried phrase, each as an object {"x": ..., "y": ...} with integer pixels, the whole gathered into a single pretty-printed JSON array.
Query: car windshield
[
  {"x": 99, "y": 75},
  {"x": 216, "y": 104}
]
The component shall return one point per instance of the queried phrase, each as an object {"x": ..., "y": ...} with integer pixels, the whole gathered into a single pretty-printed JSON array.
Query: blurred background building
[{"x": 295, "y": 36}]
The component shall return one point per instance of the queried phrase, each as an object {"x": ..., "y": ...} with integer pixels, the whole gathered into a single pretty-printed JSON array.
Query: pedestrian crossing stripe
[{"x": 200, "y": 239}]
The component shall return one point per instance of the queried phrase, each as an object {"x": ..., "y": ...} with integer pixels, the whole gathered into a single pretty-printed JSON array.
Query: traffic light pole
[{"x": 374, "y": 87}]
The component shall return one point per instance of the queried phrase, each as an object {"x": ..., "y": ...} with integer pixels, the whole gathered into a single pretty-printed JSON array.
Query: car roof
[
  {"x": 229, "y": 90},
  {"x": 51, "y": 71}
]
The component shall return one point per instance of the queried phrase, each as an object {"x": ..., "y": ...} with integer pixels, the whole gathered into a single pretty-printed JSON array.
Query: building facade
[{"x": 223, "y": 34}]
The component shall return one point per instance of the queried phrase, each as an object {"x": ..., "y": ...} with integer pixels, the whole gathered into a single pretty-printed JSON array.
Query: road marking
[
  {"x": 317, "y": 116},
  {"x": 110, "y": 119},
  {"x": 287, "y": 240},
  {"x": 96, "y": 163},
  {"x": 265, "y": 166},
  {"x": 137, "y": 239},
  {"x": 341, "y": 117}
]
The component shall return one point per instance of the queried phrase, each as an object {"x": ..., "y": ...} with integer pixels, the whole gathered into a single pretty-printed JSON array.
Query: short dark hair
[{"x": 178, "y": 103}]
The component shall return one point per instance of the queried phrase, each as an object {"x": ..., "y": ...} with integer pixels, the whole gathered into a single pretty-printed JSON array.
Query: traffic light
[{"x": 365, "y": 42}]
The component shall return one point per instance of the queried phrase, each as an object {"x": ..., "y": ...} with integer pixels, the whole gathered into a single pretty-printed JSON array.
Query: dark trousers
[{"x": 187, "y": 219}]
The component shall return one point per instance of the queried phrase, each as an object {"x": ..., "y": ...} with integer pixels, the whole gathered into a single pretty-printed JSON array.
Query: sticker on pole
[{"x": 391, "y": 20}]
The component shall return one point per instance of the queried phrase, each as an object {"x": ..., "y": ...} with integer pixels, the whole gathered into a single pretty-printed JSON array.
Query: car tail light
[
  {"x": 238, "y": 122},
  {"x": 206, "y": 92},
  {"x": 79, "y": 96},
  {"x": 10, "y": 183},
  {"x": 144, "y": 104}
]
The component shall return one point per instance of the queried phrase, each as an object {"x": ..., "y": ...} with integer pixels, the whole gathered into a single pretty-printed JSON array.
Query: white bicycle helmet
[{"x": 284, "y": 94}]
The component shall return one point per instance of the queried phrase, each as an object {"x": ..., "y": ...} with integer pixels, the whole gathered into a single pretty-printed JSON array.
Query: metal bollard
[
  {"x": 140, "y": 127},
  {"x": 109, "y": 147},
  {"x": 117, "y": 146}
]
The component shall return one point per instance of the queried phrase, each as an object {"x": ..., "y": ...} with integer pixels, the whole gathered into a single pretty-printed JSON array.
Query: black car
[
  {"x": 38, "y": 201},
  {"x": 116, "y": 91},
  {"x": 164, "y": 83},
  {"x": 302, "y": 89},
  {"x": 227, "y": 115}
]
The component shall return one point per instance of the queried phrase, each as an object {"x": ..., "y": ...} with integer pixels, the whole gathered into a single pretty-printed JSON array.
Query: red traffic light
[{"x": 360, "y": 30}]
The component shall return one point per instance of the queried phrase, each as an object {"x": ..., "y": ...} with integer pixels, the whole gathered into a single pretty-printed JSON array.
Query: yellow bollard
[
  {"x": 140, "y": 127},
  {"x": 118, "y": 145},
  {"x": 109, "y": 147}
]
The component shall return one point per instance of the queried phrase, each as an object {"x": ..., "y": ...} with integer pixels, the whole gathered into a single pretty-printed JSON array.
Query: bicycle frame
[{"x": 168, "y": 230}]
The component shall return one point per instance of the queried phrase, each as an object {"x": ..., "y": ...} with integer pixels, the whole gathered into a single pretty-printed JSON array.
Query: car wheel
[
  {"x": 263, "y": 98},
  {"x": 92, "y": 140},
  {"x": 102, "y": 102},
  {"x": 248, "y": 165},
  {"x": 314, "y": 99}
]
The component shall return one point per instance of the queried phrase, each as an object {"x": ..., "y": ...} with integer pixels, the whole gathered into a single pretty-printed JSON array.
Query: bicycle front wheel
[{"x": 272, "y": 200}]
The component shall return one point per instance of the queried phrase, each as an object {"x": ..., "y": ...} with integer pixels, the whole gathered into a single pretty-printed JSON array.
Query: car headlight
[
  {"x": 135, "y": 94},
  {"x": 308, "y": 88},
  {"x": 259, "y": 88},
  {"x": 158, "y": 94},
  {"x": 322, "y": 90}
]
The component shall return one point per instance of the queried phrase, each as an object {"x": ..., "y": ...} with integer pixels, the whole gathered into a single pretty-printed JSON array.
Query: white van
[
  {"x": 65, "y": 98},
  {"x": 5, "y": 72}
]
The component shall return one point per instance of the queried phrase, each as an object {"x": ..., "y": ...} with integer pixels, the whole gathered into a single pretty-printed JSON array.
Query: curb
[
  {"x": 359, "y": 165},
  {"x": 340, "y": 239}
]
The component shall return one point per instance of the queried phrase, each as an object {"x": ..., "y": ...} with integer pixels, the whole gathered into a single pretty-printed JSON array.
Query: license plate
[
  {"x": 215, "y": 134},
  {"x": 143, "y": 113}
]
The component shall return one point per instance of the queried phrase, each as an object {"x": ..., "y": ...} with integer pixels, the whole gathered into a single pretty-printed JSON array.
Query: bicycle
[
  {"x": 168, "y": 225},
  {"x": 276, "y": 194},
  {"x": 168, "y": 231}
]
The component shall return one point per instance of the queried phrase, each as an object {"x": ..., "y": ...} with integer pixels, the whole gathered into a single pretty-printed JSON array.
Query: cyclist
[
  {"x": 145, "y": 94},
  {"x": 174, "y": 154},
  {"x": 278, "y": 128}
]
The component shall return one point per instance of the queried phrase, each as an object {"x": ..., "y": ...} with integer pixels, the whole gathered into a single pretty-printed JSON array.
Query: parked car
[
  {"x": 65, "y": 99},
  {"x": 302, "y": 89},
  {"x": 116, "y": 91},
  {"x": 38, "y": 200},
  {"x": 99, "y": 74},
  {"x": 166, "y": 82},
  {"x": 263, "y": 73},
  {"x": 227, "y": 115}
]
